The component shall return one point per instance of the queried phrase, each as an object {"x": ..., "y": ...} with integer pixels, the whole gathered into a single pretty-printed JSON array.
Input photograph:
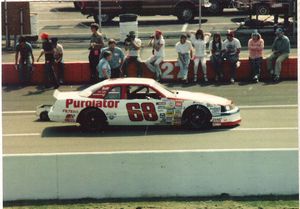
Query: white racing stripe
[
  {"x": 233, "y": 129},
  {"x": 241, "y": 107}
]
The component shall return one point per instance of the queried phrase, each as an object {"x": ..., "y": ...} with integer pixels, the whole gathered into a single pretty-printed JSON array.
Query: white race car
[{"x": 139, "y": 101}]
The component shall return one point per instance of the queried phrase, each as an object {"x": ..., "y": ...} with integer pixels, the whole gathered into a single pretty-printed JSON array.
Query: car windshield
[{"x": 164, "y": 90}]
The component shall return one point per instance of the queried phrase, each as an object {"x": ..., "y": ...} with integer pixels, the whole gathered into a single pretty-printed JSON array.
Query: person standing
[
  {"x": 280, "y": 51},
  {"x": 184, "y": 49},
  {"x": 58, "y": 59},
  {"x": 199, "y": 41},
  {"x": 117, "y": 58},
  {"x": 48, "y": 51},
  {"x": 24, "y": 60},
  {"x": 96, "y": 43},
  {"x": 158, "y": 54},
  {"x": 255, "y": 47},
  {"x": 216, "y": 47},
  {"x": 133, "y": 46},
  {"x": 104, "y": 69},
  {"x": 232, "y": 49}
]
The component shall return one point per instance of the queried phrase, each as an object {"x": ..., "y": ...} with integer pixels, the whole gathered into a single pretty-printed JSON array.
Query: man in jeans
[
  {"x": 232, "y": 49},
  {"x": 117, "y": 58},
  {"x": 133, "y": 46},
  {"x": 280, "y": 52},
  {"x": 26, "y": 59}
]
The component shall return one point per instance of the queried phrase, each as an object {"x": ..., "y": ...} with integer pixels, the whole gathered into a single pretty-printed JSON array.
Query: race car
[{"x": 139, "y": 101}]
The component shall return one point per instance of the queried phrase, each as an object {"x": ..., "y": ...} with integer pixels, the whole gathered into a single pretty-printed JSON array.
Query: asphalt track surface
[{"x": 269, "y": 113}]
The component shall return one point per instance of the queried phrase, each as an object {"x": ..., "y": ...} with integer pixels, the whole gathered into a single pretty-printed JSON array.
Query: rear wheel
[
  {"x": 92, "y": 120},
  {"x": 262, "y": 9},
  {"x": 185, "y": 14},
  {"x": 216, "y": 7},
  {"x": 196, "y": 118},
  {"x": 104, "y": 19}
]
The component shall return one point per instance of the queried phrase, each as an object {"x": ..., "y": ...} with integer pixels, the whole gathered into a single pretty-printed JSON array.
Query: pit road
[{"x": 269, "y": 113}]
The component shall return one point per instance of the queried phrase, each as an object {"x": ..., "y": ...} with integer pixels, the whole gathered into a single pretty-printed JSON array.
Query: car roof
[{"x": 117, "y": 81}]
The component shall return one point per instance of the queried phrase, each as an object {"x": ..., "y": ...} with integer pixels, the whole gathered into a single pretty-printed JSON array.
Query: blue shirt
[
  {"x": 117, "y": 57},
  {"x": 104, "y": 69}
]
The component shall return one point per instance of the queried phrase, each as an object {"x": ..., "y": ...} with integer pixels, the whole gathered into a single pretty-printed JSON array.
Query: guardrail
[
  {"x": 150, "y": 174},
  {"x": 79, "y": 72}
]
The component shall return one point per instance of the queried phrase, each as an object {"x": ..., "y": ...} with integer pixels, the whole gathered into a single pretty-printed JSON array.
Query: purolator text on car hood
[{"x": 202, "y": 97}]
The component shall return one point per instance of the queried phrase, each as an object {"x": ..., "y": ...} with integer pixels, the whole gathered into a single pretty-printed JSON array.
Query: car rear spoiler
[{"x": 56, "y": 93}]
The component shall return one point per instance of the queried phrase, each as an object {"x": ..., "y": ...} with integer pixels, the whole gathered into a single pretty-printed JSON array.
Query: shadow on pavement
[
  {"x": 39, "y": 90},
  {"x": 123, "y": 131},
  {"x": 12, "y": 88},
  {"x": 64, "y": 9},
  {"x": 142, "y": 23}
]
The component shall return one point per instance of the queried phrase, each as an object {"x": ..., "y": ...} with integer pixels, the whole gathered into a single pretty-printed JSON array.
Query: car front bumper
[{"x": 229, "y": 118}]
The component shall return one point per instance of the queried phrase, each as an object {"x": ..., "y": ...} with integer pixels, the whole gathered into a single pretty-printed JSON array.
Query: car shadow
[
  {"x": 75, "y": 131},
  {"x": 142, "y": 23}
]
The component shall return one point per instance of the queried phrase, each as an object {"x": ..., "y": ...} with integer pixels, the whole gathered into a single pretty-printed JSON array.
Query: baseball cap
[
  {"x": 230, "y": 33},
  {"x": 44, "y": 35},
  {"x": 95, "y": 25},
  {"x": 158, "y": 32}
]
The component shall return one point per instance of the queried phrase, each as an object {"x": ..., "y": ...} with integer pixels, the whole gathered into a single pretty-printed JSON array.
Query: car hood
[
  {"x": 66, "y": 95},
  {"x": 202, "y": 97}
]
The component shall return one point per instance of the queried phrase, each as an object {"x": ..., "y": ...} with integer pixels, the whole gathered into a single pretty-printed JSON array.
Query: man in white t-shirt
[
  {"x": 184, "y": 49},
  {"x": 158, "y": 54},
  {"x": 232, "y": 49},
  {"x": 133, "y": 46}
]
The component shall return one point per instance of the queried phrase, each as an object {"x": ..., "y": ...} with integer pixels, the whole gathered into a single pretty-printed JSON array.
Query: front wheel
[
  {"x": 197, "y": 118},
  {"x": 185, "y": 14}
]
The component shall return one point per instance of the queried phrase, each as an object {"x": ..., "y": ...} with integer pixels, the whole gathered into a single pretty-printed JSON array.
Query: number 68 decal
[{"x": 145, "y": 111}]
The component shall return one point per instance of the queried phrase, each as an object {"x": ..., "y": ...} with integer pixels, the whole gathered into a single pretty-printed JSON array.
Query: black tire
[
  {"x": 92, "y": 120},
  {"x": 197, "y": 118},
  {"x": 185, "y": 13},
  {"x": 216, "y": 7},
  {"x": 262, "y": 9},
  {"x": 105, "y": 18},
  {"x": 44, "y": 116}
]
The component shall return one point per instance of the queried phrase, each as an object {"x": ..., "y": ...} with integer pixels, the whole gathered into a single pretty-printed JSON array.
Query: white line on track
[
  {"x": 234, "y": 129},
  {"x": 157, "y": 151},
  {"x": 184, "y": 27},
  {"x": 241, "y": 107},
  {"x": 21, "y": 135}
]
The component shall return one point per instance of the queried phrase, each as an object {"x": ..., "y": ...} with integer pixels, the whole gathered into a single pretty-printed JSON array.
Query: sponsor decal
[
  {"x": 216, "y": 121},
  {"x": 162, "y": 115},
  {"x": 71, "y": 103},
  {"x": 70, "y": 118},
  {"x": 160, "y": 103},
  {"x": 69, "y": 111},
  {"x": 105, "y": 88},
  {"x": 111, "y": 115},
  {"x": 161, "y": 107},
  {"x": 215, "y": 110},
  {"x": 178, "y": 103}
]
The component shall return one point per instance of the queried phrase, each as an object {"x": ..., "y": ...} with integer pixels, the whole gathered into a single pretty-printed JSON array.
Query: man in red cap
[
  {"x": 158, "y": 54},
  {"x": 48, "y": 51}
]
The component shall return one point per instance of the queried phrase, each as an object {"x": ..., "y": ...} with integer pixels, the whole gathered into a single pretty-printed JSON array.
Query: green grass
[{"x": 263, "y": 202}]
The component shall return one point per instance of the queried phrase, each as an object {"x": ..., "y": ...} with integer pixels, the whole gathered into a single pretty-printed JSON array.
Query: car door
[{"x": 141, "y": 106}]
